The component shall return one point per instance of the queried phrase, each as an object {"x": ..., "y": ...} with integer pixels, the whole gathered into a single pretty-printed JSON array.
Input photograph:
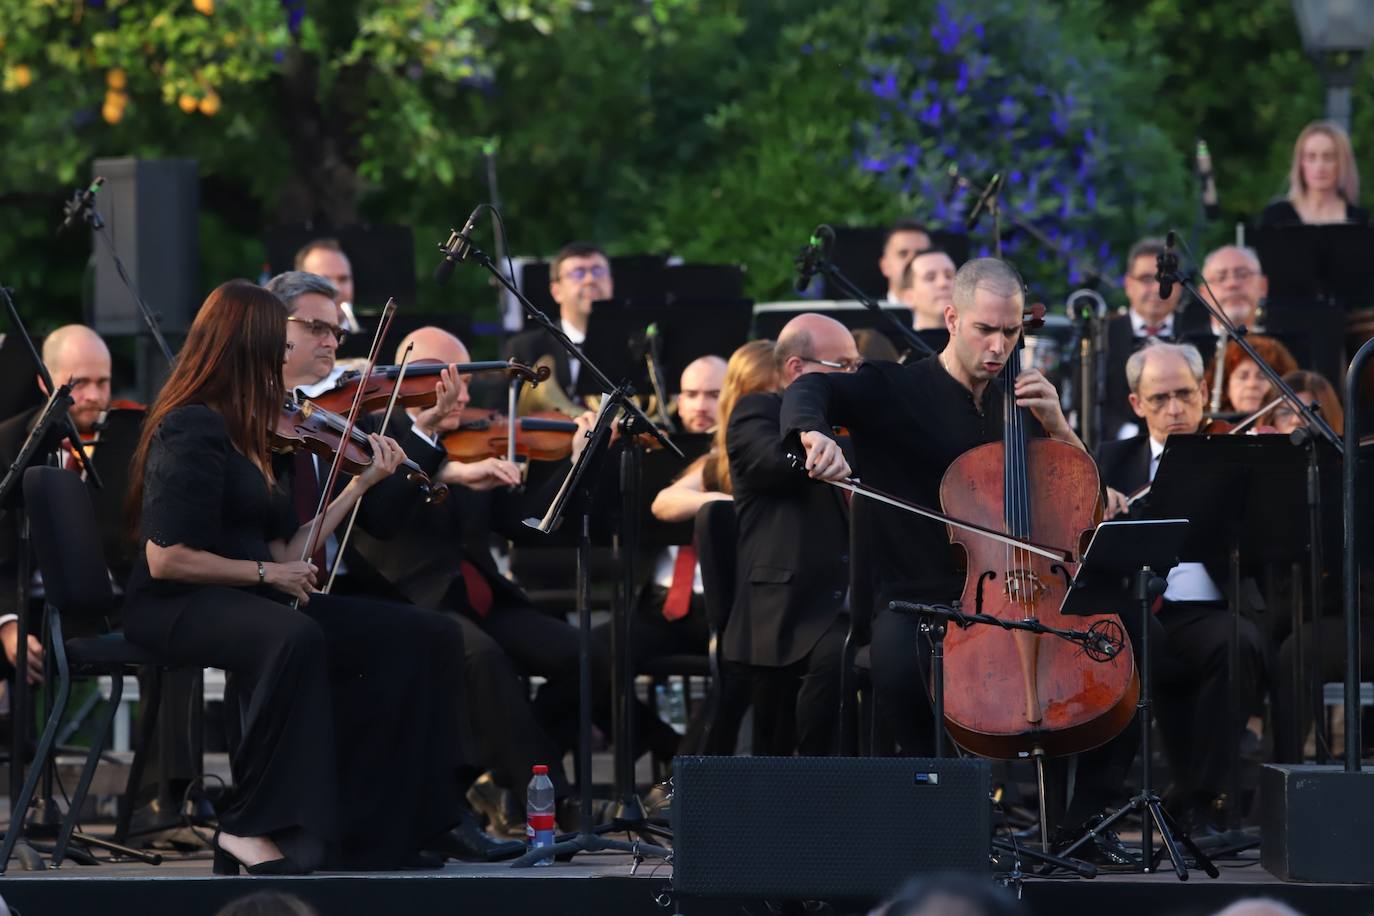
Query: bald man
[
  {"x": 793, "y": 563},
  {"x": 698, "y": 399},
  {"x": 74, "y": 355}
]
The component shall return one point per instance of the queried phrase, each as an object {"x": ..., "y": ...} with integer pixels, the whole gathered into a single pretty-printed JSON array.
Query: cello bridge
[{"x": 1022, "y": 586}]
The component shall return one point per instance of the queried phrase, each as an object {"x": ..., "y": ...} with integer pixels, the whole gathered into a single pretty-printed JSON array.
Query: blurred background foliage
[{"x": 719, "y": 130}]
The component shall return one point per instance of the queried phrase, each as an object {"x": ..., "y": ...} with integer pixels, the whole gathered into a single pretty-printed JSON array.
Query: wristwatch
[{"x": 262, "y": 573}]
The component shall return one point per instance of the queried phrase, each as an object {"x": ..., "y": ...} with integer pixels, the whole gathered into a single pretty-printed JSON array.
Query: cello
[{"x": 1009, "y": 695}]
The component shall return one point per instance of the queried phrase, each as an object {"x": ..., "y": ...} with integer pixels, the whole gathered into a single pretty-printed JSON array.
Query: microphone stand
[
  {"x": 576, "y": 492},
  {"x": 827, "y": 268}
]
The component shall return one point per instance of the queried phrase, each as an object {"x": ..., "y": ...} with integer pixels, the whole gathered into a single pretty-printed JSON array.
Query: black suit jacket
[
  {"x": 1121, "y": 343},
  {"x": 793, "y": 562}
]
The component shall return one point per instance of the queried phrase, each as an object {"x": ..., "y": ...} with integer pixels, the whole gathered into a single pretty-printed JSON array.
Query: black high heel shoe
[{"x": 227, "y": 864}]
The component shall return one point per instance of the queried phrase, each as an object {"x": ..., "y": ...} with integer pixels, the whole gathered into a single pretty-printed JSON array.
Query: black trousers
[
  {"x": 797, "y": 706},
  {"x": 347, "y": 742},
  {"x": 1200, "y": 725}
]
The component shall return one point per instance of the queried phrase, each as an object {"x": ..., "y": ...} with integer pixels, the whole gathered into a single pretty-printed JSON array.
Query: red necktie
[
  {"x": 480, "y": 596},
  {"x": 306, "y": 490},
  {"x": 679, "y": 600},
  {"x": 1154, "y": 330}
]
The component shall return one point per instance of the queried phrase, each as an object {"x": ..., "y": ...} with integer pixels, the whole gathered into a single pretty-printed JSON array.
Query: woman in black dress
[
  {"x": 213, "y": 585},
  {"x": 1323, "y": 181}
]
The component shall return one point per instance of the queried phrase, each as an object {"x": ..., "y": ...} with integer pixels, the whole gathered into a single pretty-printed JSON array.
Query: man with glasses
[
  {"x": 1234, "y": 277},
  {"x": 579, "y": 275},
  {"x": 1191, "y": 694},
  {"x": 789, "y": 619},
  {"x": 1150, "y": 316}
]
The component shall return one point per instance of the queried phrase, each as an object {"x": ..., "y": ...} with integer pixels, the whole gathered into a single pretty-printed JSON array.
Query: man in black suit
[
  {"x": 1233, "y": 274},
  {"x": 579, "y": 275},
  {"x": 908, "y": 423},
  {"x": 1149, "y": 316},
  {"x": 1192, "y": 687},
  {"x": 789, "y": 611}
]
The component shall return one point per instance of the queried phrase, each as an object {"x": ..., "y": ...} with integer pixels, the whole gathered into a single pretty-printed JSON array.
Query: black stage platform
[{"x": 600, "y": 885}]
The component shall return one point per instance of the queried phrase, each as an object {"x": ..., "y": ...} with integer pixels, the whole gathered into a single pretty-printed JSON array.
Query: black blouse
[
  {"x": 1283, "y": 213},
  {"x": 198, "y": 490}
]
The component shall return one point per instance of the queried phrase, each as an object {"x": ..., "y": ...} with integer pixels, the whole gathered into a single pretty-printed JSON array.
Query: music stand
[
  {"x": 1121, "y": 568},
  {"x": 1305, "y": 264}
]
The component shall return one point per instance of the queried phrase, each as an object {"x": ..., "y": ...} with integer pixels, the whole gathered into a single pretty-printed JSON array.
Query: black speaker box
[
  {"x": 1316, "y": 822},
  {"x": 150, "y": 209},
  {"x": 825, "y": 828}
]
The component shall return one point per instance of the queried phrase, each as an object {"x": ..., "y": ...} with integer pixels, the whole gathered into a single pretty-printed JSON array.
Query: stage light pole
[{"x": 1337, "y": 33}]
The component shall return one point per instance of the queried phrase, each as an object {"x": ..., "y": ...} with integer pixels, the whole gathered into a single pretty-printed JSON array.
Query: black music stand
[{"x": 1122, "y": 568}]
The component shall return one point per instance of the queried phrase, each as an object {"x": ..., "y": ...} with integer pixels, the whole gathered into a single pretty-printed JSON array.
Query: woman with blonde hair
[{"x": 1323, "y": 181}]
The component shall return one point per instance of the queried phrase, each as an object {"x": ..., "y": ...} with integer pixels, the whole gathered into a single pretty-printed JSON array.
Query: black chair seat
[
  {"x": 111, "y": 650},
  {"x": 677, "y": 665}
]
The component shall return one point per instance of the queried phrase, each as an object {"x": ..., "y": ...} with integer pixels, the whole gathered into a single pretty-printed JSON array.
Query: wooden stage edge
[{"x": 601, "y": 884}]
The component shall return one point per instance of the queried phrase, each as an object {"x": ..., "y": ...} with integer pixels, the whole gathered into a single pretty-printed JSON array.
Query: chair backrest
[
  {"x": 67, "y": 543},
  {"x": 717, "y": 541}
]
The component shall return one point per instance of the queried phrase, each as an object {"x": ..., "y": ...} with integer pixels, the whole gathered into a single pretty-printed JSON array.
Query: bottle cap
[{"x": 540, "y": 770}]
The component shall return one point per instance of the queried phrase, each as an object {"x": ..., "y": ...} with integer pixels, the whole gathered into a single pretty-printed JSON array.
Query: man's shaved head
[{"x": 809, "y": 338}]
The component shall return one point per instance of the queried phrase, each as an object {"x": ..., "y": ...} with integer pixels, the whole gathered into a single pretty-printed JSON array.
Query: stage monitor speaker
[
  {"x": 150, "y": 208},
  {"x": 1316, "y": 822},
  {"x": 825, "y": 828}
]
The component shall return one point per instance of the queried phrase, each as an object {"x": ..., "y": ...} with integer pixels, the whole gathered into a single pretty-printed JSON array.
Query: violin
[
  {"x": 417, "y": 383},
  {"x": 307, "y": 425},
  {"x": 1018, "y": 693},
  {"x": 543, "y": 436}
]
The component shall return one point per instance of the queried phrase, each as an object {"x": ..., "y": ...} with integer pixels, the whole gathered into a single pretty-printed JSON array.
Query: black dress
[
  {"x": 346, "y": 734},
  {"x": 1283, "y": 213}
]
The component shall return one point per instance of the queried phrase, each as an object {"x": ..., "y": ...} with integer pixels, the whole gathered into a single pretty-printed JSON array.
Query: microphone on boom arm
[
  {"x": 815, "y": 253},
  {"x": 457, "y": 248},
  {"x": 1166, "y": 267}
]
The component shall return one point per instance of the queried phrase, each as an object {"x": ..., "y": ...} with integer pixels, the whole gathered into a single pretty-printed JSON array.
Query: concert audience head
[
  {"x": 76, "y": 355},
  {"x": 874, "y": 344},
  {"x": 1167, "y": 390},
  {"x": 579, "y": 275},
  {"x": 1142, "y": 289},
  {"x": 949, "y": 895},
  {"x": 1244, "y": 388},
  {"x": 927, "y": 286},
  {"x": 1313, "y": 388},
  {"x": 437, "y": 344},
  {"x": 698, "y": 400},
  {"x": 314, "y": 326},
  {"x": 904, "y": 239},
  {"x": 1258, "y": 906},
  {"x": 232, "y": 361},
  {"x": 1323, "y": 165},
  {"x": 814, "y": 343},
  {"x": 984, "y": 318},
  {"x": 326, "y": 258},
  {"x": 1233, "y": 274},
  {"x": 267, "y": 903},
  {"x": 751, "y": 368}
]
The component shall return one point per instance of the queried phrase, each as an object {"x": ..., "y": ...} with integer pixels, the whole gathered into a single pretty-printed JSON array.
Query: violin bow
[
  {"x": 311, "y": 542},
  {"x": 386, "y": 424}
]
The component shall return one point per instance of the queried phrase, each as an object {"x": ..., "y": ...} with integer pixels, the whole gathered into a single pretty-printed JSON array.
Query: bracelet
[{"x": 262, "y": 573}]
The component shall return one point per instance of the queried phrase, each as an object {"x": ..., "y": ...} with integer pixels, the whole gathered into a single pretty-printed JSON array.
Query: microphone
[
  {"x": 815, "y": 253},
  {"x": 1166, "y": 267},
  {"x": 1210, "y": 203},
  {"x": 82, "y": 200},
  {"x": 457, "y": 248},
  {"x": 953, "y": 187},
  {"x": 983, "y": 202}
]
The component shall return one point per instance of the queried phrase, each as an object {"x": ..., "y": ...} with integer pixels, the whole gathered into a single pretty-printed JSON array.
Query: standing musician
[
  {"x": 350, "y": 740},
  {"x": 908, "y": 423},
  {"x": 789, "y": 613},
  {"x": 1192, "y": 687}
]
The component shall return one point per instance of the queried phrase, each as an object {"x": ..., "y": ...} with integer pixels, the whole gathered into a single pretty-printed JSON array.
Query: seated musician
[
  {"x": 579, "y": 275},
  {"x": 349, "y": 732},
  {"x": 1191, "y": 686},
  {"x": 1244, "y": 388},
  {"x": 1149, "y": 316},
  {"x": 904, "y": 238},
  {"x": 325, "y": 258},
  {"x": 927, "y": 287},
  {"x": 1233, "y": 275},
  {"x": 789, "y": 614}
]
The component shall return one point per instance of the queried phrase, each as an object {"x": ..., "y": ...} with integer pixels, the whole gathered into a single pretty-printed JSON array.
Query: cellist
[{"x": 908, "y": 423}]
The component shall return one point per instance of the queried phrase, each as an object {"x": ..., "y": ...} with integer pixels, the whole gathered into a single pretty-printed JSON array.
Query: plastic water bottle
[{"x": 539, "y": 812}]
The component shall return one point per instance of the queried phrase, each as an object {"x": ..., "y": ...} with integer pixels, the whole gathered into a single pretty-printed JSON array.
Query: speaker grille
[{"x": 824, "y": 827}]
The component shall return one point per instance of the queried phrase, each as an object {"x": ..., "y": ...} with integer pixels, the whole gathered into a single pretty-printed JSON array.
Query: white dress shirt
[
  {"x": 574, "y": 365},
  {"x": 1187, "y": 581}
]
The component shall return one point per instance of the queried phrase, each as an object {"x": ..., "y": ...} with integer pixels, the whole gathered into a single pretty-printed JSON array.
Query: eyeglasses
[
  {"x": 1240, "y": 274},
  {"x": 322, "y": 328},
  {"x": 578, "y": 274},
  {"x": 841, "y": 365},
  {"x": 1145, "y": 278},
  {"x": 1185, "y": 396}
]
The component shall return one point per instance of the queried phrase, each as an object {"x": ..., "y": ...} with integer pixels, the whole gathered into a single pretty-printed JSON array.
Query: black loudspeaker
[
  {"x": 1317, "y": 820},
  {"x": 825, "y": 828},
  {"x": 150, "y": 209}
]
